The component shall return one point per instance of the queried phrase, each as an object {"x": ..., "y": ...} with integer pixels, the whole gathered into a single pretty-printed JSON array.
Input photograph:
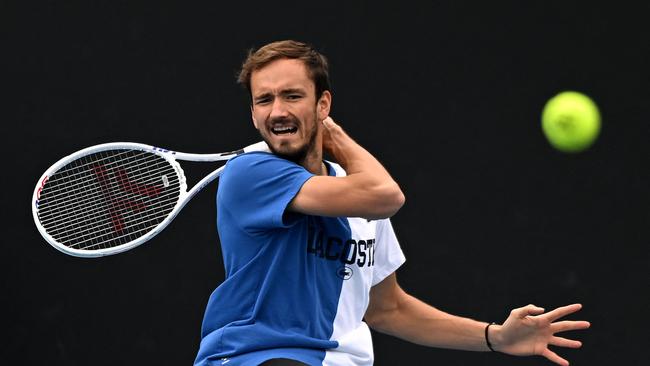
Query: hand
[
  {"x": 335, "y": 140},
  {"x": 331, "y": 128},
  {"x": 529, "y": 331}
]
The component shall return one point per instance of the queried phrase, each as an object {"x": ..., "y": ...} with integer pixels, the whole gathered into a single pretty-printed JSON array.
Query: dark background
[{"x": 447, "y": 95}]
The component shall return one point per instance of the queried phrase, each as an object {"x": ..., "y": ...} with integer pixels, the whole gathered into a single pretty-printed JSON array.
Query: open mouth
[{"x": 284, "y": 130}]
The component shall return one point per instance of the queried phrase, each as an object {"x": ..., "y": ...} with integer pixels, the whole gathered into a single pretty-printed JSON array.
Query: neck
[{"x": 313, "y": 162}]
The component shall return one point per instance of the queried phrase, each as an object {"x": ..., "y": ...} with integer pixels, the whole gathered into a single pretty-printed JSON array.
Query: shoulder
[
  {"x": 258, "y": 161},
  {"x": 256, "y": 188},
  {"x": 253, "y": 158},
  {"x": 258, "y": 169}
]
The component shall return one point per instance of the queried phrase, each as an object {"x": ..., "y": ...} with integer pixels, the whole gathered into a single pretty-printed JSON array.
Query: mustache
[{"x": 289, "y": 119}]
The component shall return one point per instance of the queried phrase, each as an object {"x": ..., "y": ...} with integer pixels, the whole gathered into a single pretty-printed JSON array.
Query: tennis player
[{"x": 309, "y": 251}]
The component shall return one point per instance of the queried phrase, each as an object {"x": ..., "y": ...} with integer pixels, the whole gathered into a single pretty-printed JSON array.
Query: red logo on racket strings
[{"x": 118, "y": 203}]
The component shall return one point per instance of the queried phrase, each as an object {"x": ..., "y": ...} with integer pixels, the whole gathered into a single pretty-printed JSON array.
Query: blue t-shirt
[{"x": 296, "y": 285}]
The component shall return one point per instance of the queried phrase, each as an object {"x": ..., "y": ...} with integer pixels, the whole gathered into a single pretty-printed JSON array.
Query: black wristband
[{"x": 487, "y": 339}]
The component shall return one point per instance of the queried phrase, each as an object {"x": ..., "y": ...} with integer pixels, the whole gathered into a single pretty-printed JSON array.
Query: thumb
[
  {"x": 525, "y": 311},
  {"x": 530, "y": 310}
]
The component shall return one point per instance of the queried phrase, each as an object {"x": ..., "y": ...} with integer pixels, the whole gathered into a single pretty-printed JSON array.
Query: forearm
[
  {"x": 527, "y": 331},
  {"x": 417, "y": 322}
]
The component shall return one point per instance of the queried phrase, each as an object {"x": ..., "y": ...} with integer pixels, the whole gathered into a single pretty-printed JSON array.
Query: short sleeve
[
  {"x": 257, "y": 187},
  {"x": 388, "y": 253}
]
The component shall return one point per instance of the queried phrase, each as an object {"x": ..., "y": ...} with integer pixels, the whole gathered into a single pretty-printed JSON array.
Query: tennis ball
[{"x": 571, "y": 121}]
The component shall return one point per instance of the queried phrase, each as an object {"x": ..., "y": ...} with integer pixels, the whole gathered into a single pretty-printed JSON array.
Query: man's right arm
[{"x": 367, "y": 191}]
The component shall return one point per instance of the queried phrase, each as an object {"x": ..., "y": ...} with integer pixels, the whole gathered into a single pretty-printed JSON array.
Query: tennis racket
[{"x": 109, "y": 198}]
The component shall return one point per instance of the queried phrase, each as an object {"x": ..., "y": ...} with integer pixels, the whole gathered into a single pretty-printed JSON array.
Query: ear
[
  {"x": 324, "y": 104},
  {"x": 253, "y": 118}
]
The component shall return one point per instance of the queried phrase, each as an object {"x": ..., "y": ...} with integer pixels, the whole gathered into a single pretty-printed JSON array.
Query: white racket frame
[{"x": 169, "y": 155}]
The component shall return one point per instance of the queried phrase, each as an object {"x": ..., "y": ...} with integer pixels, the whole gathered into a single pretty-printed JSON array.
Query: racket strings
[
  {"x": 82, "y": 176},
  {"x": 143, "y": 228},
  {"x": 83, "y": 194},
  {"x": 57, "y": 226},
  {"x": 108, "y": 198},
  {"x": 99, "y": 160},
  {"x": 103, "y": 224}
]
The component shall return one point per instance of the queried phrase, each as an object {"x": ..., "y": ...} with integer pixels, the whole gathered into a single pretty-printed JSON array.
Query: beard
[{"x": 296, "y": 155}]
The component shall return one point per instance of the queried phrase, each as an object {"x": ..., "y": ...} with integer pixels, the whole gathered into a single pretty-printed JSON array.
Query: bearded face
[{"x": 284, "y": 108}]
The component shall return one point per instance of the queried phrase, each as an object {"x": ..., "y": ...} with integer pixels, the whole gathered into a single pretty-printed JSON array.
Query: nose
[{"x": 278, "y": 109}]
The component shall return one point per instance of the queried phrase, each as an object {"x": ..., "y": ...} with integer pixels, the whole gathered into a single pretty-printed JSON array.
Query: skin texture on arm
[
  {"x": 527, "y": 331},
  {"x": 367, "y": 191},
  {"x": 392, "y": 311}
]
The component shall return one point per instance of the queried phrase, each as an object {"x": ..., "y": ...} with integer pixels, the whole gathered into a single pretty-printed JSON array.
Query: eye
[
  {"x": 294, "y": 96},
  {"x": 261, "y": 101}
]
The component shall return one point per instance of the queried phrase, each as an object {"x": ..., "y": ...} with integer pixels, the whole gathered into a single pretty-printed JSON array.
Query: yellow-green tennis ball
[{"x": 571, "y": 121}]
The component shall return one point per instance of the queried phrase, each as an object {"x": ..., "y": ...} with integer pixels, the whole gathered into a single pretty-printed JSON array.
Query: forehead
[{"x": 281, "y": 74}]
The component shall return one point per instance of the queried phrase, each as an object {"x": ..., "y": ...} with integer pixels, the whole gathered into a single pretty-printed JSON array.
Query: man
[{"x": 309, "y": 250}]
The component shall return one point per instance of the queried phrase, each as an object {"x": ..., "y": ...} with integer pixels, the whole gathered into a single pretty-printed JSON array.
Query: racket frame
[{"x": 170, "y": 156}]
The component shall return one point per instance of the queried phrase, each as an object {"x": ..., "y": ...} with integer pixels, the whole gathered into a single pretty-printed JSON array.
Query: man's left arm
[{"x": 527, "y": 331}]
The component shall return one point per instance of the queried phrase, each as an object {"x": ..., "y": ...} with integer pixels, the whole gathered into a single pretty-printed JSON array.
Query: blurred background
[{"x": 447, "y": 94}]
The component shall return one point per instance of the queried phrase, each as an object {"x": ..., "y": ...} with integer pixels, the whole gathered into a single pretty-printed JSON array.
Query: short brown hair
[{"x": 315, "y": 62}]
